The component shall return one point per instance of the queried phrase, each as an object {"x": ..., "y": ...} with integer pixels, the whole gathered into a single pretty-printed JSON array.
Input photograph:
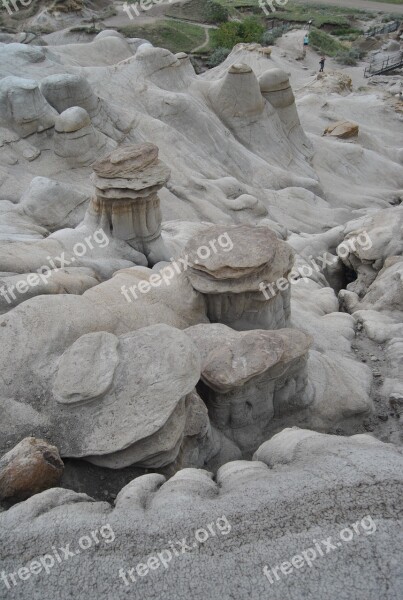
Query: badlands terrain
[{"x": 201, "y": 334}]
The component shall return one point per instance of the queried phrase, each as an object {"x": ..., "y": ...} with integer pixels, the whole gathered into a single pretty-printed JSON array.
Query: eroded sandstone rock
[
  {"x": 230, "y": 278},
  {"x": 31, "y": 467},
  {"x": 23, "y": 108},
  {"x": 76, "y": 140},
  {"x": 342, "y": 130},
  {"x": 276, "y": 88},
  {"x": 250, "y": 378},
  {"x": 126, "y": 201}
]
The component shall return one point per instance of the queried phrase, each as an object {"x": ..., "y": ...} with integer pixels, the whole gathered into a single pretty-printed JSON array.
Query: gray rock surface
[
  {"x": 112, "y": 401},
  {"x": 302, "y": 488},
  {"x": 154, "y": 352}
]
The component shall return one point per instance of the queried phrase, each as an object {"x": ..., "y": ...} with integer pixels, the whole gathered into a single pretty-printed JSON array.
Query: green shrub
[
  {"x": 234, "y": 32},
  {"x": 344, "y": 31},
  {"x": 325, "y": 43},
  {"x": 216, "y": 13},
  {"x": 349, "y": 57},
  {"x": 218, "y": 56}
]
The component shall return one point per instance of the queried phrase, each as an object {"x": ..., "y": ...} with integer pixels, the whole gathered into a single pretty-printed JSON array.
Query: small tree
[
  {"x": 226, "y": 36},
  {"x": 251, "y": 30},
  {"x": 216, "y": 13},
  {"x": 234, "y": 32}
]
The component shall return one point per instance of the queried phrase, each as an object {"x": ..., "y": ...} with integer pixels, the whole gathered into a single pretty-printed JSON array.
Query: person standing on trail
[
  {"x": 322, "y": 64},
  {"x": 306, "y": 40}
]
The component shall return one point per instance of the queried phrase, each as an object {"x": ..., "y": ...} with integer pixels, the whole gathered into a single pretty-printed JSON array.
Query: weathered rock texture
[
  {"x": 301, "y": 487},
  {"x": 230, "y": 277},
  {"x": 276, "y": 88},
  {"x": 113, "y": 401},
  {"x": 112, "y": 375},
  {"x": 127, "y": 202},
  {"x": 23, "y": 107},
  {"x": 251, "y": 378},
  {"x": 342, "y": 130}
]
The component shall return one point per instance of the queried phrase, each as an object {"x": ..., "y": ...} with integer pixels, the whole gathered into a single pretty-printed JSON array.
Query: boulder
[
  {"x": 29, "y": 468},
  {"x": 342, "y": 130}
]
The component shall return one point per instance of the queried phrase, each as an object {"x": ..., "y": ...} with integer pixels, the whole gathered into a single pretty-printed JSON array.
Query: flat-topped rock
[
  {"x": 117, "y": 400},
  {"x": 250, "y": 255},
  {"x": 155, "y": 174},
  {"x": 230, "y": 266},
  {"x": 231, "y": 358},
  {"x": 251, "y": 379},
  {"x": 342, "y": 129},
  {"x": 127, "y": 182},
  {"x": 124, "y": 162}
]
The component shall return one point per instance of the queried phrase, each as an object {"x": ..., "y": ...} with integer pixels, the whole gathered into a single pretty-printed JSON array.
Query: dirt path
[
  {"x": 205, "y": 43},
  {"x": 361, "y": 4},
  {"x": 207, "y": 40}
]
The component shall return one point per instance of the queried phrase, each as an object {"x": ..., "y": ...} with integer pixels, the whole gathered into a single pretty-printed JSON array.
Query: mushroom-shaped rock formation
[
  {"x": 185, "y": 63},
  {"x": 126, "y": 199},
  {"x": 249, "y": 378},
  {"x": 166, "y": 70},
  {"x": 76, "y": 140},
  {"x": 119, "y": 401},
  {"x": 237, "y": 94},
  {"x": 275, "y": 87},
  {"x": 65, "y": 90},
  {"x": 23, "y": 107},
  {"x": 237, "y": 100},
  {"x": 229, "y": 266}
]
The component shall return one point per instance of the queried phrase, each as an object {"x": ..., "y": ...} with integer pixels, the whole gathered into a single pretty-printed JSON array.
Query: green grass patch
[
  {"x": 173, "y": 35},
  {"x": 325, "y": 43}
]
